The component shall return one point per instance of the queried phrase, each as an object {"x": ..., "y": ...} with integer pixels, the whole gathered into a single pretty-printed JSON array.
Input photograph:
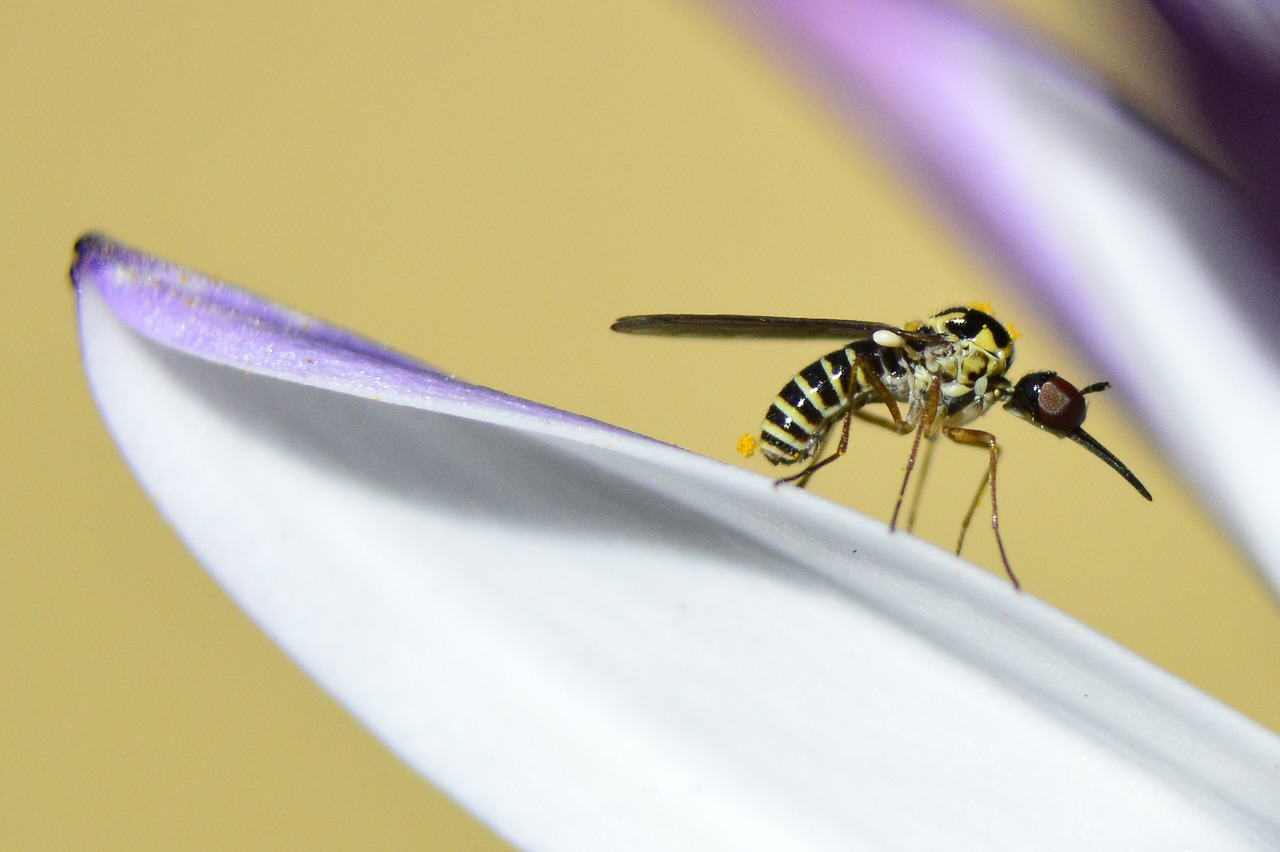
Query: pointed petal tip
[
  {"x": 95, "y": 252},
  {"x": 88, "y": 251}
]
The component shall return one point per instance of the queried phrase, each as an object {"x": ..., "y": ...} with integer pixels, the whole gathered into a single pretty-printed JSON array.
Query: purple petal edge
[
  {"x": 902, "y": 71},
  {"x": 939, "y": 86},
  {"x": 1232, "y": 51},
  {"x": 224, "y": 324}
]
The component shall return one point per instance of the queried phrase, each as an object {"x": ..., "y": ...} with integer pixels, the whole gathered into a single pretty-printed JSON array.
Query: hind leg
[
  {"x": 802, "y": 478},
  {"x": 978, "y": 438}
]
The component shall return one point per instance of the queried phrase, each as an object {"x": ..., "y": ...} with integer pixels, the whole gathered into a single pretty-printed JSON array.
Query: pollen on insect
[
  {"x": 1014, "y": 334},
  {"x": 747, "y": 446},
  {"x": 985, "y": 307}
]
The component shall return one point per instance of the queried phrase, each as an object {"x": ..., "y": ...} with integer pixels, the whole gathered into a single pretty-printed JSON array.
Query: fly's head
[{"x": 1052, "y": 403}]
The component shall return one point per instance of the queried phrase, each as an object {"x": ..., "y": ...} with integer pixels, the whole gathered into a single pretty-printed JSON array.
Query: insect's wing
[{"x": 738, "y": 325}]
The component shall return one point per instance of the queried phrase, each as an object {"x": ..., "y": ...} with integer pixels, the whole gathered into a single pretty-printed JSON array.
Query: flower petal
[
  {"x": 1233, "y": 54},
  {"x": 1133, "y": 244},
  {"x": 585, "y": 635},
  {"x": 225, "y": 325}
]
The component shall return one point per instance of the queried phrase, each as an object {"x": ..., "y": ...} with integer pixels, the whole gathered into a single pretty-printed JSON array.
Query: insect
[{"x": 948, "y": 370}]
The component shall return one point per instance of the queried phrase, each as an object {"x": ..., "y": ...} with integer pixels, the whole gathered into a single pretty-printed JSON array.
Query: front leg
[{"x": 978, "y": 438}]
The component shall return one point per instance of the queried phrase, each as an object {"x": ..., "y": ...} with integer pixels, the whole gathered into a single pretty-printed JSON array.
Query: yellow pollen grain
[
  {"x": 747, "y": 446},
  {"x": 985, "y": 307},
  {"x": 1014, "y": 334}
]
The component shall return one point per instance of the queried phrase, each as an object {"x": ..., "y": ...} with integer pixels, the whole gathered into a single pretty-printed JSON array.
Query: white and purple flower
[{"x": 592, "y": 639}]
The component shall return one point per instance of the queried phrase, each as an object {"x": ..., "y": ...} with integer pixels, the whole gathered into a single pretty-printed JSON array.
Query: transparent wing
[{"x": 748, "y": 325}]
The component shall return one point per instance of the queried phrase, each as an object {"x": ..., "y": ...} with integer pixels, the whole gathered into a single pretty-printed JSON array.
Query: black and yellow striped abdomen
[
  {"x": 821, "y": 393},
  {"x": 804, "y": 409}
]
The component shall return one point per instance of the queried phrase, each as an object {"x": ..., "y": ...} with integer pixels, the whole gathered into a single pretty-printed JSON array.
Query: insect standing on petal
[{"x": 948, "y": 371}]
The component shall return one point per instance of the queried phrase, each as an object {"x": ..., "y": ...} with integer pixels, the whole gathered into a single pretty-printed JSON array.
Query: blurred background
[{"x": 486, "y": 186}]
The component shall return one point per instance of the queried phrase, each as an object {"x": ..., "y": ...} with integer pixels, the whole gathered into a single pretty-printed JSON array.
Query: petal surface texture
[
  {"x": 594, "y": 640},
  {"x": 1160, "y": 270}
]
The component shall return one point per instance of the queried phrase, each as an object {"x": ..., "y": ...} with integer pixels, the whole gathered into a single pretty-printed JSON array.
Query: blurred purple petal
[
  {"x": 1233, "y": 53},
  {"x": 591, "y": 639},
  {"x": 1129, "y": 241}
]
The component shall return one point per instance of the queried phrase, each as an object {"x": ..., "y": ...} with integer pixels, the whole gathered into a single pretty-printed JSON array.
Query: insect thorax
[{"x": 969, "y": 363}]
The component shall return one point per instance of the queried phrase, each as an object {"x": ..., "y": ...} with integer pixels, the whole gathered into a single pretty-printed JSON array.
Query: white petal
[{"x": 596, "y": 641}]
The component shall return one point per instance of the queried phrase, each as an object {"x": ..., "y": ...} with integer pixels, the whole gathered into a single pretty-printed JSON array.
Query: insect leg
[
  {"x": 885, "y": 397},
  {"x": 927, "y": 415},
  {"x": 925, "y": 463},
  {"x": 885, "y": 423},
  {"x": 877, "y": 420},
  {"x": 840, "y": 448},
  {"x": 978, "y": 438},
  {"x": 973, "y": 507}
]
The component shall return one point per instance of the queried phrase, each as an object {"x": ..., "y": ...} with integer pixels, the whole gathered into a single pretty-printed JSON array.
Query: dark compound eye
[
  {"x": 1048, "y": 400},
  {"x": 1060, "y": 406}
]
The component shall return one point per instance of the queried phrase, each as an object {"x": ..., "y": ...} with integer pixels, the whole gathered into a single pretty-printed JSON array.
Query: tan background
[{"x": 486, "y": 186}]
